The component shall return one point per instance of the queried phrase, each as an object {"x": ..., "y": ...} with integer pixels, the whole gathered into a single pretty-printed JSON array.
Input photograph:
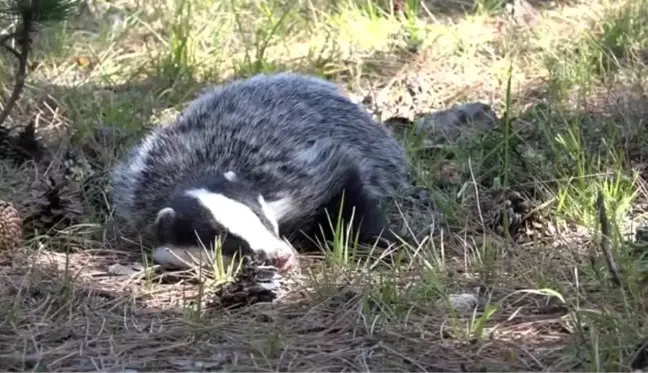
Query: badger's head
[{"x": 222, "y": 208}]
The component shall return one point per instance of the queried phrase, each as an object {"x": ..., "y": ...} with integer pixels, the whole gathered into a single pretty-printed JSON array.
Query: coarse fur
[{"x": 282, "y": 150}]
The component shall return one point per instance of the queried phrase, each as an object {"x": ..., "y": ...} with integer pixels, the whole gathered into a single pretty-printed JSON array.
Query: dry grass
[
  {"x": 93, "y": 320},
  {"x": 576, "y": 105}
]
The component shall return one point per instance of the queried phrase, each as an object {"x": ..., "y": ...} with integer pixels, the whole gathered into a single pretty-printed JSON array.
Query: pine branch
[
  {"x": 12, "y": 51},
  {"x": 25, "y": 43},
  {"x": 39, "y": 11},
  {"x": 5, "y": 38},
  {"x": 30, "y": 14}
]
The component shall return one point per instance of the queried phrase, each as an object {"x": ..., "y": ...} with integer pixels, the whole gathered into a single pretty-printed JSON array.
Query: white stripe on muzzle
[
  {"x": 239, "y": 219},
  {"x": 184, "y": 257}
]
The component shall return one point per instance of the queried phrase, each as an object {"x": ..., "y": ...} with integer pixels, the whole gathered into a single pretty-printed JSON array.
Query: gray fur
[{"x": 290, "y": 135}]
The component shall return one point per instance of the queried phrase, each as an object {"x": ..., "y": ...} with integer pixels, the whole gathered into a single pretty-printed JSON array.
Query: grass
[{"x": 570, "y": 92}]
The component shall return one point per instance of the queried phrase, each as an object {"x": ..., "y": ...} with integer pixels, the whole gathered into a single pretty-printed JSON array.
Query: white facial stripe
[
  {"x": 237, "y": 219},
  {"x": 184, "y": 258},
  {"x": 280, "y": 208},
  {"x": 269, "y": 213}
]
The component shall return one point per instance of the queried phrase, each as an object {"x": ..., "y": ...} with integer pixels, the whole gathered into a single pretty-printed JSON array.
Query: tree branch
[
  {"x": 12, "y": 51},
  {"x": 6, "y": 37},
  {"x": 21, "y": 74},
  {"x": 606, "y": 246}
]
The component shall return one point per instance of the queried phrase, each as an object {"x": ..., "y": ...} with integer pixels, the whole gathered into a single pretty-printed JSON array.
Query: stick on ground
[{"x": 606, "y": 246}]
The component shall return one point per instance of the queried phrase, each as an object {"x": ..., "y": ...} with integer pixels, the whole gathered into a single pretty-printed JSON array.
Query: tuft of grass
[
  {"x": 488, "y": 7},
  {"x": 180, "y": 59}
]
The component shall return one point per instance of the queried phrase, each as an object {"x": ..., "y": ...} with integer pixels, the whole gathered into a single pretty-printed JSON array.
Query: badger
[{"x": 264, "y": 164}]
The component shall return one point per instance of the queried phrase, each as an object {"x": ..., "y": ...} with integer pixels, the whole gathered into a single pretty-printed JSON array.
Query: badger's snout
[
  {"x": 184, "y": 257},
  {"x": 281, "y": 254},
  {"x": 286, "y": 263}
]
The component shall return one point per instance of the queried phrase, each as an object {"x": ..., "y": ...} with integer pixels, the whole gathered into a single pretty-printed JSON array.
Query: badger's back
[{"x": 292, "y": 136}]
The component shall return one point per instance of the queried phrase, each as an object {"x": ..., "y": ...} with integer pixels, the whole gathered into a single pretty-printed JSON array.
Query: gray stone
[{"x": 451, "y": 123}]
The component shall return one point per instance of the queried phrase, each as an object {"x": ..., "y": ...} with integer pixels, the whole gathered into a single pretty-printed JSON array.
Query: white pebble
[{"x": 464, "y": 302}]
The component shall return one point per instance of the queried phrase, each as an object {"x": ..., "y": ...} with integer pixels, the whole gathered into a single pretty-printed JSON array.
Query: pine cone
[
  {"x": 10, "y": 226},
  {"x": 95, "y": 183},
  {"x": 21, "y": 148},
  {"x": 89, "y": 165},
  {"x": 54, "y": 203},
  {"x": 255, "y": 282},
  {"x": 76, "y": 167},
  {"x": 494, "y": 202},
  {"x": 8, "y": 148}
]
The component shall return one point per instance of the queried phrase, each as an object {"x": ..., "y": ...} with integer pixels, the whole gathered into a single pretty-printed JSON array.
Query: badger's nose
[
  {"x": 284, "y": 257},
  {"x": 277, "y": 252},
  {"x": 285, "y": 261}
]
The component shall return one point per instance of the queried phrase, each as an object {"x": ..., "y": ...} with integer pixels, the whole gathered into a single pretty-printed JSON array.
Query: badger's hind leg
[{"x": 353, "y": 204}]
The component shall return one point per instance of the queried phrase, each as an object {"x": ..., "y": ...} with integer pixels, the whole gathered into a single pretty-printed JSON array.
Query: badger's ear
[
  {"x": 164, "y": 222},
  {"x": 167, "y": 214}
]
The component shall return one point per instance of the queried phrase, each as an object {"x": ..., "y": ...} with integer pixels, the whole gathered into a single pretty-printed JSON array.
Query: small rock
[
  {"x": 464, "y": 302},
  {"x": 451, "y": 123},
  {"x": 123, "y": 270},
  {"x": 214, "y": 362}
]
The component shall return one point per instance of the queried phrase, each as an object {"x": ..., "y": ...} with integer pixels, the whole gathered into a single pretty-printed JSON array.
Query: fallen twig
[{"x": 606, "y": 246}]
